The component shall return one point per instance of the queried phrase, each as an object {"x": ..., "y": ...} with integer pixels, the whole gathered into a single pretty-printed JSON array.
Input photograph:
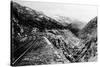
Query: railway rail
[{"x": 22, "y": 51}]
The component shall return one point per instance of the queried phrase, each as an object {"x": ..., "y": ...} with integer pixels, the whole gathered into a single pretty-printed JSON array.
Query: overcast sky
[{"x": 80, "y": 12}]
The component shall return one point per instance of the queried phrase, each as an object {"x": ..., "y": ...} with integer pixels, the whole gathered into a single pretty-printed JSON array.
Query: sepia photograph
[{"x": 44, "y": 33}]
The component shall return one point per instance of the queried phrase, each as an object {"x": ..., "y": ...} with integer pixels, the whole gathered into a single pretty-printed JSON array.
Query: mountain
[
  {"x": 63, "y": 19},
  {"x": 73, "y": 24},
  {"x": 67, "y": 20},
  {"x": 30, "y": 17},
  {"x": 89, "y": 29},
  {"x": 25, "y": 23},
  {"x": 23, "y": 16}
]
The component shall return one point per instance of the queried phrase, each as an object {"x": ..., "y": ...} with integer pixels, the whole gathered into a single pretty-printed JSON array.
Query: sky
[{"x": 80, "y": 12}]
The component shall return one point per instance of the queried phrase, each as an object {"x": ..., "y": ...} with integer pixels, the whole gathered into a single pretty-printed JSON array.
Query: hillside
[
  {"x": 73, "y": 24},
  {"x": 29, "y": 17},
  {"x": 90, "y": 29}
]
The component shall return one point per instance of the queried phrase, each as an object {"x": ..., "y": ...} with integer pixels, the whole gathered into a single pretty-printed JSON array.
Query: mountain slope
[
  {"x": 29, "y": 17},
  {"x": 89, "y": 29},
  {"x": 73, "y": 24}
]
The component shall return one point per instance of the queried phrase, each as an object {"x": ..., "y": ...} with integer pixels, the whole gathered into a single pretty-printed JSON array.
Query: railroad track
[{"x": 22, "y": 51}]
